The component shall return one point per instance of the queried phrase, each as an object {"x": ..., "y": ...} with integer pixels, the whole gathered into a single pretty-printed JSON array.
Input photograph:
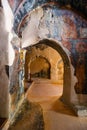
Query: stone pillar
[{"x": 66, "y": 97}]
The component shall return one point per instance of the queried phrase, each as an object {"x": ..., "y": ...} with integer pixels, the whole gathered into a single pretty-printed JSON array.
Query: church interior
[{"x": 43, "y": 65}]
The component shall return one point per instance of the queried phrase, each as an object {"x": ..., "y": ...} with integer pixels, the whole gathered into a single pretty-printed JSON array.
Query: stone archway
[
  {"x": 40, "y": 67},
  {"x": 67, "y": 71}
]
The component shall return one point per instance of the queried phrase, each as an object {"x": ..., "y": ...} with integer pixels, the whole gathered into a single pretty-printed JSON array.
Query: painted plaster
[
  {"x": 22, "y": 7},
  {"x": 64, "y": 26}
]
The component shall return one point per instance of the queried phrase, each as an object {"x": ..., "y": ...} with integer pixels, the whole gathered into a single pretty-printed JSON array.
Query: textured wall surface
[
  {"x": 29, "y": 116},
  {"x": 50, "y": 58},
  {"x": 70, "y": 30},
  {"x": 79, "y": 61},
  {"x": 64, "y": 26},
  {"x": 22, "y": 7},
  {"x": 3, "y": 61}
]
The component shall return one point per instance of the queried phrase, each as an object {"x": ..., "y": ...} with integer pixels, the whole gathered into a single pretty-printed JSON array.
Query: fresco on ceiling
[
  {"x": 27, "y": 5},
  {"x": 64, "y": 26},
  {"x": 65, "y": 23},
  {"x": 71, "y": 30},
  {"x": 80, "y": 5}
]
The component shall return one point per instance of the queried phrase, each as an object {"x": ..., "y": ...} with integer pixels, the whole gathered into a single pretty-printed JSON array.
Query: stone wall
[
  {"x": 66, "y": 28},
  {"x": 69, "y": 31},
  {"x": 4, "y": 99},
  {"x": 22, "y": 7},
  {"x": 50, "y": 56}
]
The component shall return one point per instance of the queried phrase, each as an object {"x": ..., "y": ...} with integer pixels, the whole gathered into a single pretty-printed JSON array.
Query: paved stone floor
[{"x": 57, "y": 115}]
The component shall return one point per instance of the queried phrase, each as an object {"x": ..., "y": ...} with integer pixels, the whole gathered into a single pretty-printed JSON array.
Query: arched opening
[
  {"x": 61, "y": 65},
  {"x": 40, "y": 68}
]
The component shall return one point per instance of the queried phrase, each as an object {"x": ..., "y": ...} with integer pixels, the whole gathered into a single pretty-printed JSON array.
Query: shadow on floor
[{"x": 60, "y": 107}]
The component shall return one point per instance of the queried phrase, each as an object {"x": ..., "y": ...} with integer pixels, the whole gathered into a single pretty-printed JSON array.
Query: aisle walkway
[{"x": 57, "y": 115}]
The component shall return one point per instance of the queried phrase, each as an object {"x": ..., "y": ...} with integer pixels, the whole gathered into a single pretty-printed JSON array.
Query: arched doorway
[
  {"x": 40, "y": 67},
  {"x": 67, "y": 72}
]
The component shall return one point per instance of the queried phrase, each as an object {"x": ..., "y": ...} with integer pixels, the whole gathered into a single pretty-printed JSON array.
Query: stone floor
[{"x": 57, "y": 115}]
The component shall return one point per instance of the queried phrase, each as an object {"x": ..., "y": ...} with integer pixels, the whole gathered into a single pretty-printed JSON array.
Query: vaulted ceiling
[
  {"x": 80, "y": 5},
  {"x": 21, "y": 8}
]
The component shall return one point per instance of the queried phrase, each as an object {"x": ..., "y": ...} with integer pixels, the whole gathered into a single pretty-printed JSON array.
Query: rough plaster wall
[
  {"x": 3, "y": 61},
  {"x": 38, "y": 64},
  {"x": 48, "y": 26},
  {"x": 7, "y": 58},
  {"x": 9, "y": 24},
  {"x": 20, "y": 10},
  {"x": 33, "y": 32},
  {"x": 63, "y": 26}
]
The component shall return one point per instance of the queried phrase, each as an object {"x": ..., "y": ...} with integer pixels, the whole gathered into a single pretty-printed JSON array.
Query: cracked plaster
[{"x": 59, "y": 25}]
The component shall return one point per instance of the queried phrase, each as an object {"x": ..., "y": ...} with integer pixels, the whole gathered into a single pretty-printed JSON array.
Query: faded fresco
[
  {"x": 79, "y": 52},
  {"x": 71, "y": 30},
  {"x": 63, "y": 25},
  {"x": 16, "y": 88},
  {"x": 28, "y": 5},
  {"x": 68, "y": 28},
  {"x": 78, "y": 49}
]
